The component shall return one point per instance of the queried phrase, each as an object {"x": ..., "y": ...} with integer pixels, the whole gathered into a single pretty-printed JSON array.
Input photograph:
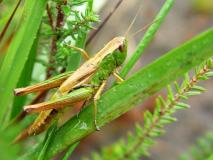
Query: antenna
[
  {"x": 144, "y": 28},
  {"x": 133, "y": 21}
]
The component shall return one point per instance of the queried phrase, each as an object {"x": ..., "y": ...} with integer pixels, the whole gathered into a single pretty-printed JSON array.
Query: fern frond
[{"x": 137, "y": 144}]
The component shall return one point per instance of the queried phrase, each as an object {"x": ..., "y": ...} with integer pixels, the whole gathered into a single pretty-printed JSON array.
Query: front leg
[
  {"x": 117, "y": 77},
  {"x": 82, "y": 51}
]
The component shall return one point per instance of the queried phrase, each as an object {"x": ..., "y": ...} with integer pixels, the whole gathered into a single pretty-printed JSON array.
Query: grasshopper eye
[{"x": 121, "y": 48}]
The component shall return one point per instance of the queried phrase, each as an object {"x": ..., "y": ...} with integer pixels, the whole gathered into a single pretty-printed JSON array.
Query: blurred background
[{"x": 185, "y": 20}]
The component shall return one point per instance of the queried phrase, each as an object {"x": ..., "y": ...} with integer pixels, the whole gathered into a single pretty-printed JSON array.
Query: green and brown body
[{"x": 81, "y": 85}]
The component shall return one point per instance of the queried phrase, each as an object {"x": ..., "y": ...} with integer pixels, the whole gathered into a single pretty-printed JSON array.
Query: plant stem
[{"x": 50, "y": 17}]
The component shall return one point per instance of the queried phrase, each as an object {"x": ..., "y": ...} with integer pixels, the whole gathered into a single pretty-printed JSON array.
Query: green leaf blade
[{"x": 19, "y": 50}]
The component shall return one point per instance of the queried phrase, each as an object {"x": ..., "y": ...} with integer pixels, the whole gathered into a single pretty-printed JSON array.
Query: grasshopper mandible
[{"x": 87, "y": 82}]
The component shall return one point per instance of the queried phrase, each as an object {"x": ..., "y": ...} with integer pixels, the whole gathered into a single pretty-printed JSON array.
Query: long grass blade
[
  {"x": 24, "y": 80},
  {"x": 18, "y": 51}
]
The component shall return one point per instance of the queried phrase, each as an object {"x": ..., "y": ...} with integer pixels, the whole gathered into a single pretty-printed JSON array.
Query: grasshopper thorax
[
  {"x": 121, "y": 53},
  {"x": 110, "y": 63}
]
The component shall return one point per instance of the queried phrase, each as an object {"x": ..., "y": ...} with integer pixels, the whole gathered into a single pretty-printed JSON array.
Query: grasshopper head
[{"x": 121, "y": 53}]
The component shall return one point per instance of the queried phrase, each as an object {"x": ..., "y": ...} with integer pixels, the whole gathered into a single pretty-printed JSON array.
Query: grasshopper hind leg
[{"x": 96, "y": 98}]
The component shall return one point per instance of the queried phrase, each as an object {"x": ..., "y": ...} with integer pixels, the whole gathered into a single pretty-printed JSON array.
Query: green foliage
[
  {"x": 74, "y": 59},
  {"x": 75, "y": 29},
  {"x": 8, "y": 150},
  {"x": 202, "y": 150},
  {"x": 81, "y": 24},
  {"x": 24, "y": 80},
  {"x": 67, "y": 23},
  {"x": 137, "y": 144},
  {"x": 47, "y": 139},
  {"x": 18, "y": 52},
  {"x": 70, "y": 150}
]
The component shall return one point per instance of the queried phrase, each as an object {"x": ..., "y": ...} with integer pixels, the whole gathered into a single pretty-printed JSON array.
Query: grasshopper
[{"x": 87, "y": 82}]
